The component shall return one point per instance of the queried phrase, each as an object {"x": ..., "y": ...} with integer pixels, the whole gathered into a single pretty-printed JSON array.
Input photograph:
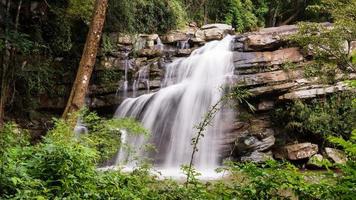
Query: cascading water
[
  {"x": 127, "y": 65},
  {"x": 159, "y": 45},
  {"x": 190, "y": 87}
]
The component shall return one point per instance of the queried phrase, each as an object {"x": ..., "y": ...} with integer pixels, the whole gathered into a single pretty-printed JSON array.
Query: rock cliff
[{"x": 134, "y": 65}]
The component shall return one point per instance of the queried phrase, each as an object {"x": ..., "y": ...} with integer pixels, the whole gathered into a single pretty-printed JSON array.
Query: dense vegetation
[
  {"x": 318, "y": 119},
  {"x": 62, "y": 165}
]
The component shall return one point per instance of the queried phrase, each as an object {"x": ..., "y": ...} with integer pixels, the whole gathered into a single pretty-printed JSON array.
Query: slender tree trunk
[
  {"x": 205, "y": 6},
  {"x": 5, "y": 67},
  {"x": 80, "y": 86}
]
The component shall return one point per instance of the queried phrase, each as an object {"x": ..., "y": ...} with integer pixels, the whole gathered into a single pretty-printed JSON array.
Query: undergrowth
[{"x": 63, "y": 166}]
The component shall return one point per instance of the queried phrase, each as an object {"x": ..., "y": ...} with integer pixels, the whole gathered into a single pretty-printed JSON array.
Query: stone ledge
[{"x": 267, "y": 58}]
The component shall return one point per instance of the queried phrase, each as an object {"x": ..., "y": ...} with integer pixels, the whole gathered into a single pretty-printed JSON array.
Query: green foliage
[
  {"x": 273, "y": 180},
  {"x": 82, "y": 9},
  {"x": 107, "y": 45},
  {"x": 332, "y": 116},
  {"x": 105, "y": 135},
  {"x": 10, "y": 136},
  {"x": 327, "y": 44},
  {"x": 346, "y": 183},
  {"x": 64, "y": 167},
  {"x": 59, "y": 34},
  {"x": 108, "y": 76},
  {"x": 239, "y": 13},
  {"x": 20, "y": 41},
  {"x": 348, "y": 145},
  {"x": 144, "y": 16}
]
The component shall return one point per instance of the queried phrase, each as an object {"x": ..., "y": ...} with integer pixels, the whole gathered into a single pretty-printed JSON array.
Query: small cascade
[
  {"x": 159, "y": 45},
  {"x": 183, "y": 44},
  {"x": 127, "y": 66},
  {"x": 190, "y": 87},
  {"x": 80, "y": 128},
  {"x": 143, "y": 77}
]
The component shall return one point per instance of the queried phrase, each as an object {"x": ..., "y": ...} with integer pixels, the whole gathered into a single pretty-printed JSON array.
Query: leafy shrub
[
  {"x": 144, "y": 16},
  {"x": 274, "y": 180},
  {"x": 345, "y": 187},
  {"x": 62, "y": 166},
  {"x": 105, "y": 135},
  {"x": 238, "y": 13},
  {"x": 319, "y": 118},
  {"x": 326, "y": 44},
  {"x": 81, "y": 9}
]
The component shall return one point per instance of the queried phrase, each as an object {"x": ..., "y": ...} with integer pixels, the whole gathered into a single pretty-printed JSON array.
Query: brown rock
[
  {"x": 265, "y": 105},
  {"x": 338, "y": 156},
  {"x": 251, "y": 59},
  {"x": 174, "y": 36},
  {"x": 257, "y": 157},
  {"x": 199, "y": 37},
  {"x": 268, "y": 77},
  {"x": 214, "y": 34},
  {"x": 314, "y": 92},
  {"x": 296, "y": 151},
  {"x": 150, "y": 53},
  {"x": 218, "y": 26},
  {"x": 184, "y": 52},
  {"x": 272, "y": 88},
  {"x": 125, "y": 39},
  {"x": 267, "y": 38}
]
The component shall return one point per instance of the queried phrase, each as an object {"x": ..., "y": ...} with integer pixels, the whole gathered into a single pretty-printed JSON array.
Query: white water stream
[{"x": 190, "y": 88}]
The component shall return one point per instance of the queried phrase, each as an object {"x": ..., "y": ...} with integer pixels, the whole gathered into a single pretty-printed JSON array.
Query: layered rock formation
[{"x": 135, "y": 65}]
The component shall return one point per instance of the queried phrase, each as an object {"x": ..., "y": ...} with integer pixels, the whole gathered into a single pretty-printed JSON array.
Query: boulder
[
  {"x": 174, "y": 36},
  {"x": 318, "y": 161},
  {"x": 199, "y": 37},
  {"x": 253, "y": 143},
  {"x": 125, "y": 39},
  {"x": 184, "y": 52},
  {"x": 337, "y": 156},
  {"x": 265, "y": 105},
  {"x": 149, "y": 36},
  {"x": 218, "y": 26},
  {"x": 150, "y": 53},
  {"x": 257, "y": 157},
  {"x": 296, "y": 151},
  {"x": 214, "y": 34}
]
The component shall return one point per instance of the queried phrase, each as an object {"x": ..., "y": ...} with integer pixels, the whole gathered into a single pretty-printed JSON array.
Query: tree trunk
[
  {"x": 4, "y": 67},
  {"x": 80, "y": 86}
]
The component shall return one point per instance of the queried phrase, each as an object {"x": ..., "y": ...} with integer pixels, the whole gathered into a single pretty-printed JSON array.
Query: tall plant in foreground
[{"x": 236, "y": 94}]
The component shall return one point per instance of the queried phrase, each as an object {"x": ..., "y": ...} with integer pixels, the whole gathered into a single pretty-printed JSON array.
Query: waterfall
[
  {"x": 189, "y": 89},
  {"x": 143, "y": 77},
  {"x": 159, "y": 45},
  {"x": 183, "y": 44}
]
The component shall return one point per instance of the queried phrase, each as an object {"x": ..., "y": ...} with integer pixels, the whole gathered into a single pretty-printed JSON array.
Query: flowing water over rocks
[{"x": 190, "y": 88}]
